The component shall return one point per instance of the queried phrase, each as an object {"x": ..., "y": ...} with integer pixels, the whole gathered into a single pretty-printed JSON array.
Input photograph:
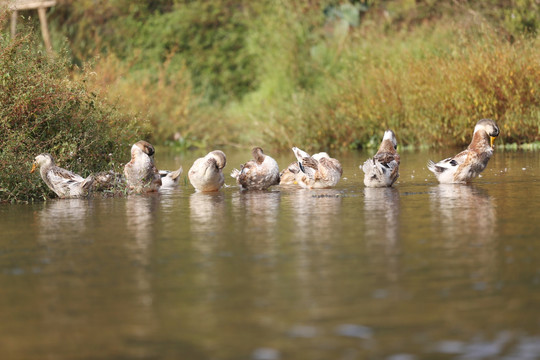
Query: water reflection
[
  {"x": 64, "y": 218},
  {"x": 206, "y": 213},
  {"x": 316, "y": 214},
  {"x": 463, "y": 211},
  {"x": 257, "y": 212},
  {"x": 381, "y": 214},
  {"x": 141, "y": 215}
]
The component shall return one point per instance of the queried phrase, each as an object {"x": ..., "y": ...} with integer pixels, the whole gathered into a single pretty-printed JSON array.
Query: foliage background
[{"x": 324, "y": 74}]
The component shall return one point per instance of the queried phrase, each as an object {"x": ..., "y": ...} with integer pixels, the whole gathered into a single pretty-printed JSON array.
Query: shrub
[{"x": 43, "y": 110}]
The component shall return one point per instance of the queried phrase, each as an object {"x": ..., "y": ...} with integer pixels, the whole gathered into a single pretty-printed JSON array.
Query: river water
[{"x": 418, "y": 271}]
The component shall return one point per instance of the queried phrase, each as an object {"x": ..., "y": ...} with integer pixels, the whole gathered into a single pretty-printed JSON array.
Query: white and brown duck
[
  {"x": 259, "y": 173},
  {"x": 141, "y": 173},
  {"x": 319, "y": 171},
  {"x": 206, "y": 174},
  {"x": 169, "y": 178},
  {"x": 466, "y": 165},
  {"x": 382, "y": 170},
  {"x": 63, "y": 182}
]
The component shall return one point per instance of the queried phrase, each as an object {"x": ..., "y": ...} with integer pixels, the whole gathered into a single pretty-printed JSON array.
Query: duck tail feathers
[
  {"x": 175, "y": 174},
  {"x": 235, "y": 173},
  {"x": 433, "y": 167}
]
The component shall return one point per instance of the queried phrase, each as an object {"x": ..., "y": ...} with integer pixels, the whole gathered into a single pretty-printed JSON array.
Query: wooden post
[
  {"x": 44, "y": 28},
  {"x": 41, "y": 5},
  {"x": 14, "y": 15}
]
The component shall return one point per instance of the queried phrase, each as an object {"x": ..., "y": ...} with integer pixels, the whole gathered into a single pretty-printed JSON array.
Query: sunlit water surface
[{"x": 419, "y": 271}]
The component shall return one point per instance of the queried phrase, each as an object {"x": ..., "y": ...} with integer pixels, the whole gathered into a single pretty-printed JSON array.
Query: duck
[
  {"x": 107, "y": 181},
  {"x": 288, "y": 175},
  {"x": 469, "y": 163},
  {"x": 169, "y": 178},
  {"x": 141, "y": 173},
  {"x": 259, "y": 173},
  {"x": 319, "y": 171},
  {"x": 382, "y": 170},
  {"x": 206, "y": 174},
  {"x": 64, "y": 183}
]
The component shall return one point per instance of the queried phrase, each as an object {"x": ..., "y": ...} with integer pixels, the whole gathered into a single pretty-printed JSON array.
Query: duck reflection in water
[
  {"x": 465, "y": 217},
  {"x": 206, "y": 212},
  {"x": 65, "y": 218},
  {"x": 316, "y": 212},
  {"x": 381, "y": 224},
  {"x": 464, "y": 212},
  {"x": 257, "y": 211},
  {"x": 382, "y": 216},
  {"x": 141, "y": 215}
]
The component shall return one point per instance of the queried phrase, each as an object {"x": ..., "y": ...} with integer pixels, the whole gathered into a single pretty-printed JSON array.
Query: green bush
[
  {"x": 320, "y": 74},
  {"x": 430, "y": 85},
  {"x": 43, "y": 110}
]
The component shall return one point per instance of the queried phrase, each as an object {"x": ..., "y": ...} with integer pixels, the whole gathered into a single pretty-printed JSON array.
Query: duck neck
[{"x": 480, "y": 142}]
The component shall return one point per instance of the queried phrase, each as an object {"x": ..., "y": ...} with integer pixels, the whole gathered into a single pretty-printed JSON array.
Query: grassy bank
[
  {"x": 43, "y": 110},
  {"x": 323, "y": 74},
  {"x": 318, "y": 74}
]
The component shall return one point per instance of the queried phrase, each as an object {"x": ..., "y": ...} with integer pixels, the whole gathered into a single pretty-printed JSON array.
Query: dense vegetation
[
  {"x": 43, "y": 110},
  {"x": 324, "y": 74}
]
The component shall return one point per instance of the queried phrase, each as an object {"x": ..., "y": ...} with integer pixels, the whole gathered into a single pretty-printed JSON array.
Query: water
[{"x": 419, "y": 271}]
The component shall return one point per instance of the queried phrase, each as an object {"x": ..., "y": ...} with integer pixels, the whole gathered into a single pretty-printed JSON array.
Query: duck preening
[
  {"x": 63, "y": 182},
  {"x": 141, "y": 173},
  {"x": 259, "y": 173},
  {"x": 466, "y": 165},
  {"x": 319, "y": 171},
  {"x": 382, "y": 170},
  {"x": 206, "y": 174}
]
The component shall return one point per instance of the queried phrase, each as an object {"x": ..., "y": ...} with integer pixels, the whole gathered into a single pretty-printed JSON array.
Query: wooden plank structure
[{"x": 41, "y": 5}]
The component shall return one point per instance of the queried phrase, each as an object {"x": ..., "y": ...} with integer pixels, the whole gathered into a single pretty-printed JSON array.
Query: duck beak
[
  {"x": 491, "y": 140},
  {"x": 34, "y": 166}
]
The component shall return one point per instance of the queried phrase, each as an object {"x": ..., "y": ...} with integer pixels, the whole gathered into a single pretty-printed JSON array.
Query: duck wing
[{"x": 451, "y": 163}]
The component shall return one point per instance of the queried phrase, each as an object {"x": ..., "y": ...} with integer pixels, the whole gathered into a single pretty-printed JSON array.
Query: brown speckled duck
[
  {"x": 319, "y": 171},
  {"x": 259, "y": 173},
  {"x": 382, "y": 170}
]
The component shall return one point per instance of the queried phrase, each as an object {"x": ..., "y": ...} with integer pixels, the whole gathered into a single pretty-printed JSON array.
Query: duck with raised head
[
  {"x": 382, "y": 170},
  {"x": 319, "y": 171},
  {"x": 259, "y": 173},
  {"x": 63, "y": 182},
  {"x": 206, "y": 174},
  {"x": 469, "y": 163},
  {"x": 141, "y": 173}
]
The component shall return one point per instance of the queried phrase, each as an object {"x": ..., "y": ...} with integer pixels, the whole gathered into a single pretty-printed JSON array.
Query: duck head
[
  {"x": 42, "y": 159},
  {"x": 220, "y": 158},
  {"x": 490, "y": 127},
  {"x": 141, "y": 147}
]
